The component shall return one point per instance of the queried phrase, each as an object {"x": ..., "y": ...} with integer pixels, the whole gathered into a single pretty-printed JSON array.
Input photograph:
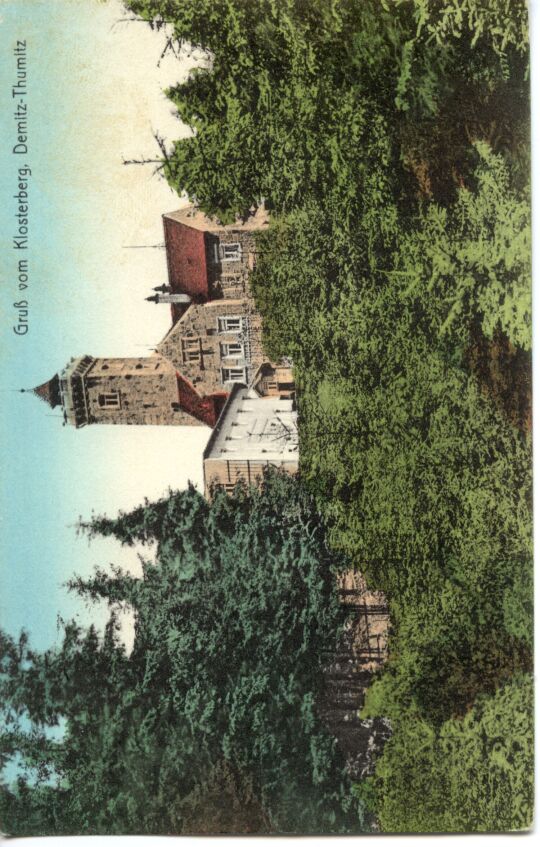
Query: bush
[{"x": 471, "y": 775}]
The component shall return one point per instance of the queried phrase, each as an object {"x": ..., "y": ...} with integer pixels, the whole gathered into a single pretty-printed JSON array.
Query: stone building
[
  {"x": 215, "y": 340},
  {"x": 143, "y": 390}
]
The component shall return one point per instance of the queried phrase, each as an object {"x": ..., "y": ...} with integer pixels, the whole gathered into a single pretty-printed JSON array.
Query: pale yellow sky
[
  {"x": 128, "y": 105},
  {"x": 95, "y": 98}
]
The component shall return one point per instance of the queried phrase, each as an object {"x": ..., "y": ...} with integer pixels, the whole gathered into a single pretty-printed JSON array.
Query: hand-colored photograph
[{"x": 266, "y": 416}]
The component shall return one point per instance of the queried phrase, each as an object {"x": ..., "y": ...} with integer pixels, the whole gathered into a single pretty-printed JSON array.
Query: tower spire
[{"x": 48, "y": 391}]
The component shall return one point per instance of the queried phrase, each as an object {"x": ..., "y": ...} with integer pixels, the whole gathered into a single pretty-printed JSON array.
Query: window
[
  {"x": 110, "y": 400},
  {"x": 232, "y": 348},
  {"x": 230, "y": 323},
  {"x": 231, "y": 252},
  {"x": 233, "y": 375},
  {"x": 191, "y": 349},
  {"x": 232, "y": 281}
]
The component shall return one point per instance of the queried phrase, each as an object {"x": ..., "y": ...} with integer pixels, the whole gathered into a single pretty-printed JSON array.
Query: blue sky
[{"x": 89, "y": 105}]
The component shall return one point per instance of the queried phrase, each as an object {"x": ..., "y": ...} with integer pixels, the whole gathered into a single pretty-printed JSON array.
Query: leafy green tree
[
  {"x": 423, "y": 476},
  {"x": 476, "y": 256},
  {"x": 426, "y": 485}
]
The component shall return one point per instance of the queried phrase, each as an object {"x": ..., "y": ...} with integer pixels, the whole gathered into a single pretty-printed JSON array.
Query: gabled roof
[
  {"x": 175, "y": 331},
  {"x": 206, "y": 409},
  {"x": 193, "y": 217}
]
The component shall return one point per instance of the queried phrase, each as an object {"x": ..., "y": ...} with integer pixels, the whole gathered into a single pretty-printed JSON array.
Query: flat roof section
[{"x": 255, "y": 428}]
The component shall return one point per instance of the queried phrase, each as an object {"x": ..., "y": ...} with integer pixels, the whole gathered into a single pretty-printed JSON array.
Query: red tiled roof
[
  {"x": 186, "y": 261},
  {"x": 205, "y": 409},
  {"x": 49, "y": 391}
]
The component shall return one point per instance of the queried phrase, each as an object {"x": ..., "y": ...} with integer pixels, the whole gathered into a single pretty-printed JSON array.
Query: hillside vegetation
[{"x": 390, "y": 139}]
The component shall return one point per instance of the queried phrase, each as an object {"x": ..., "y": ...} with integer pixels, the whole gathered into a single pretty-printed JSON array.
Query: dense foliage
[
  {"x": 418, "y": 449},
  {"x": 425, "y": 481},
  {"x": 211, "y": 720},
  {"x": 322, "y": 97},
  {"x": 390, "y": 139},
  {"x": 471, "y": 774}
]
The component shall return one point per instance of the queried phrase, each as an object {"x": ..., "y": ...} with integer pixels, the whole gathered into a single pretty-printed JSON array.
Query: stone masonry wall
[
  {"x": 140, "y": 390},
  {"x": 349, "y": 671},
  {"x": 226, "y": 277},
  {"x": 199, "y": 351}
]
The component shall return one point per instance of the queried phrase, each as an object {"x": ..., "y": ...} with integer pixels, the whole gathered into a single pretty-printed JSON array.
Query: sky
[{"x": 94, "y": 98}]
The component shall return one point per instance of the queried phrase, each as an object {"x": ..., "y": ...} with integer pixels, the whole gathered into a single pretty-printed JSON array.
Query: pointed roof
[{"x": 49, "y": 391}]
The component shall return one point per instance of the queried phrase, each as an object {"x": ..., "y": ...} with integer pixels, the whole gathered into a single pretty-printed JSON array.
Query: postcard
[{"x": 266, "y": 487}]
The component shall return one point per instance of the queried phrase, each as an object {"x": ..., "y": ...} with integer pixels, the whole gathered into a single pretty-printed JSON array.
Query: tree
[
  {"x": 284, "y": 104},
  {"x": 421, "y": 468},
  {"x": 233, "y": 620}
]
